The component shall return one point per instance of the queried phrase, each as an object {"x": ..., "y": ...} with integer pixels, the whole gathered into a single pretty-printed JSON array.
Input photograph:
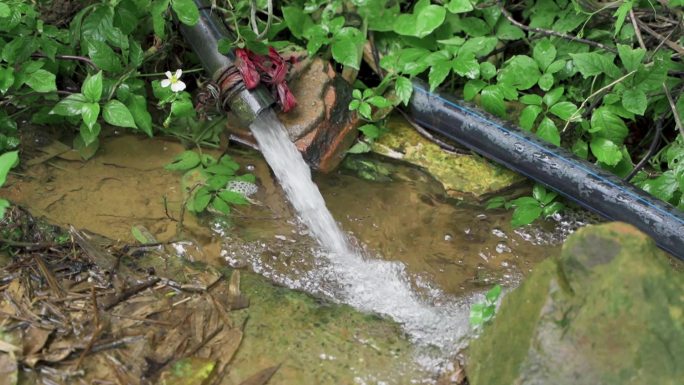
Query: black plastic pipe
[
  {"x": 204, "y": 37},
  {"x": 555, "y": 167}
]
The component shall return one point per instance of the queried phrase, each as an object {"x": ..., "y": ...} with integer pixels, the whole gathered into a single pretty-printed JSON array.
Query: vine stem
[
  {"x": 69, "y": 57},
  {"x": 600, "y": 90}
]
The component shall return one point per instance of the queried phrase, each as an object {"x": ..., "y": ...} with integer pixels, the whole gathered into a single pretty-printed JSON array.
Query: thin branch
[
  {"x": 637, "y": 30},
  {"x": 600, "y": 90},
  {"x": 673, "y": 107},
  {"x": 671, "y": 44},
  {"x": 554, "y": 33}
]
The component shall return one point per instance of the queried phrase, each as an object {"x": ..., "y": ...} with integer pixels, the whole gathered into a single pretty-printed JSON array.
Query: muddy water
[{"x": 450, "y": 251}]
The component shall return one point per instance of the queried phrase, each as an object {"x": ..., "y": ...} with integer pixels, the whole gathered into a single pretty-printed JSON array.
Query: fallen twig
[{"x": 131, "y": 291}]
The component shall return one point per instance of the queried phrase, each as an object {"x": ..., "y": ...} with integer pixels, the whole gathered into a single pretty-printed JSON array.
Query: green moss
[{"x": 460, "y": 174}]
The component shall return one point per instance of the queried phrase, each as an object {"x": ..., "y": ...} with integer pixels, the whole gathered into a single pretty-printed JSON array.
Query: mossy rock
[
  {"x": 461, "y": 175},
  {"x": 609, "y": 310}
]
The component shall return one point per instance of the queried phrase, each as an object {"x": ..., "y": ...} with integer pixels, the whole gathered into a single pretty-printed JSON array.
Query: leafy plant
[
  {"x": 542, "y": 203},
  {"x": 482, "y": 313},
  {"x": 207, "y": 182},
  {"x": 7, "y": 161}
]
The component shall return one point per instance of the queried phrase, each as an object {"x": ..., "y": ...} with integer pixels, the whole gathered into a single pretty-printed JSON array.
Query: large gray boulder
[{"x": 609, "y": 310}]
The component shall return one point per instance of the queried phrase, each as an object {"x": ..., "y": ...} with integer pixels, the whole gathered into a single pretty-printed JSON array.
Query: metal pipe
[
  {"x": 203, "y": 38},
  {"x": 555, "y": 167}
]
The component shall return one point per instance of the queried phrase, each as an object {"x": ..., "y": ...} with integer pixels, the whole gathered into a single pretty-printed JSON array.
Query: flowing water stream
[{"x": 349, "y": 275}]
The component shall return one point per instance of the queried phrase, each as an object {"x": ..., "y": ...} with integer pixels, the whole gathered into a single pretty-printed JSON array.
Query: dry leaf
[{"x": 262, "y": 377}]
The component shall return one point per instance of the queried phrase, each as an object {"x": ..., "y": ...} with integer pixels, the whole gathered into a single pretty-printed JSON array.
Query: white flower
[{"x": 174, "y": 81}]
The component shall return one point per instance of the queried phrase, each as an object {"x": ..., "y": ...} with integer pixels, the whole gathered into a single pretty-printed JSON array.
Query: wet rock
[
  {"x": 609, "y": 310},
  {"x": 460, "y": 174},
  {"x": 321, "y": 125}
]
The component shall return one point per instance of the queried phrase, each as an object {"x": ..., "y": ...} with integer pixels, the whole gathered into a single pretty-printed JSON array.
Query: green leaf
[
  {"x": 563, "y": 110},
  {"x": 346, "y": 47},
  {"x": 539, "y": 192},
  {"x": 474, "y": 26},
  {"x": 605, "y": 151},
  {"x": 520, "y": 72},
  {"x": 452, "y": 41},
  {"x": 606, "y": 124},
  {"x": 552, "y": 209},
  {"x": 371, "y": 131},
  {"x": 438, "y": 72},
  {"x": 547, "y": 130},
  {"x": 556, "y": 66},
  {"x": 487, "y": 70},
  {"x": 365, "y": 110},
  {"x": 546, "y": 82},
  {"x": 221, "y": 206},
  {"x": 86, "y": 151},
  {"x": 552, "y": 97},
  {"x": 424, "y": 20},
  {"x": 89, "y": 113},
  {"x": 468, "y": 66},
  {"x": 379, "y": 101},
  {"x": 89, "y": 134},
  {"x": 233, "y": 197},
  {"x": 138, "y": 235},
  {"x": 201, "y": 199},
  {"x": 525, "y": 214},
  {"x": 92, "y": 87},
  {"x": 182, "y": 107},
  {"x": 6, "y": 78},
  {"x": 70, "y": 106},
  {"x": 459, "y": 6},
  {"x": 359, "y": 148},
  {"x": 356, "y": 94},
  {"x": 104, "y": 56},
  {"x": 478, "y": 46},
  {"x": 493, "y": 101},
  {"x": 581, "y": 149},
  {"x": 544, "y": 53},
  {"x": 493, "y": 294},
  {"x": 5, "y": 11},
  {"x": 531, "y": 99},
  {"x": 592, "y": 63},
  {"x": 529, "y": 116},
  {"x": 157, "y": 10},
  {"x": 476, "y": 314},
  {"x": 621, "y": 14},
  {"x": 297, "y": 21},
  {"x": 634, "y": 100},
  {"x": 186, "y": 160},
  {"x": 117, "y": 114},
  {"x": 42, "y": 81},
  {"x": 508, "y": 31},
  {"x": 137, "y": 105},
  {"x": 403, "y": 88},
  {"x": 472, "y": 87},
  {"x": 630, "y": 58},
  {"x": 354, "y": 104},
  {"x": 495, "y": 203},
  {"x": 662, "y": 187},
  {"x": 186, "y": 11},
  {"x": 7, "y": 161}
]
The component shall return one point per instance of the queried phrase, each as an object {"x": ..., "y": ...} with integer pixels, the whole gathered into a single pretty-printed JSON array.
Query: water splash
[{"x": 368, "y": 284}]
